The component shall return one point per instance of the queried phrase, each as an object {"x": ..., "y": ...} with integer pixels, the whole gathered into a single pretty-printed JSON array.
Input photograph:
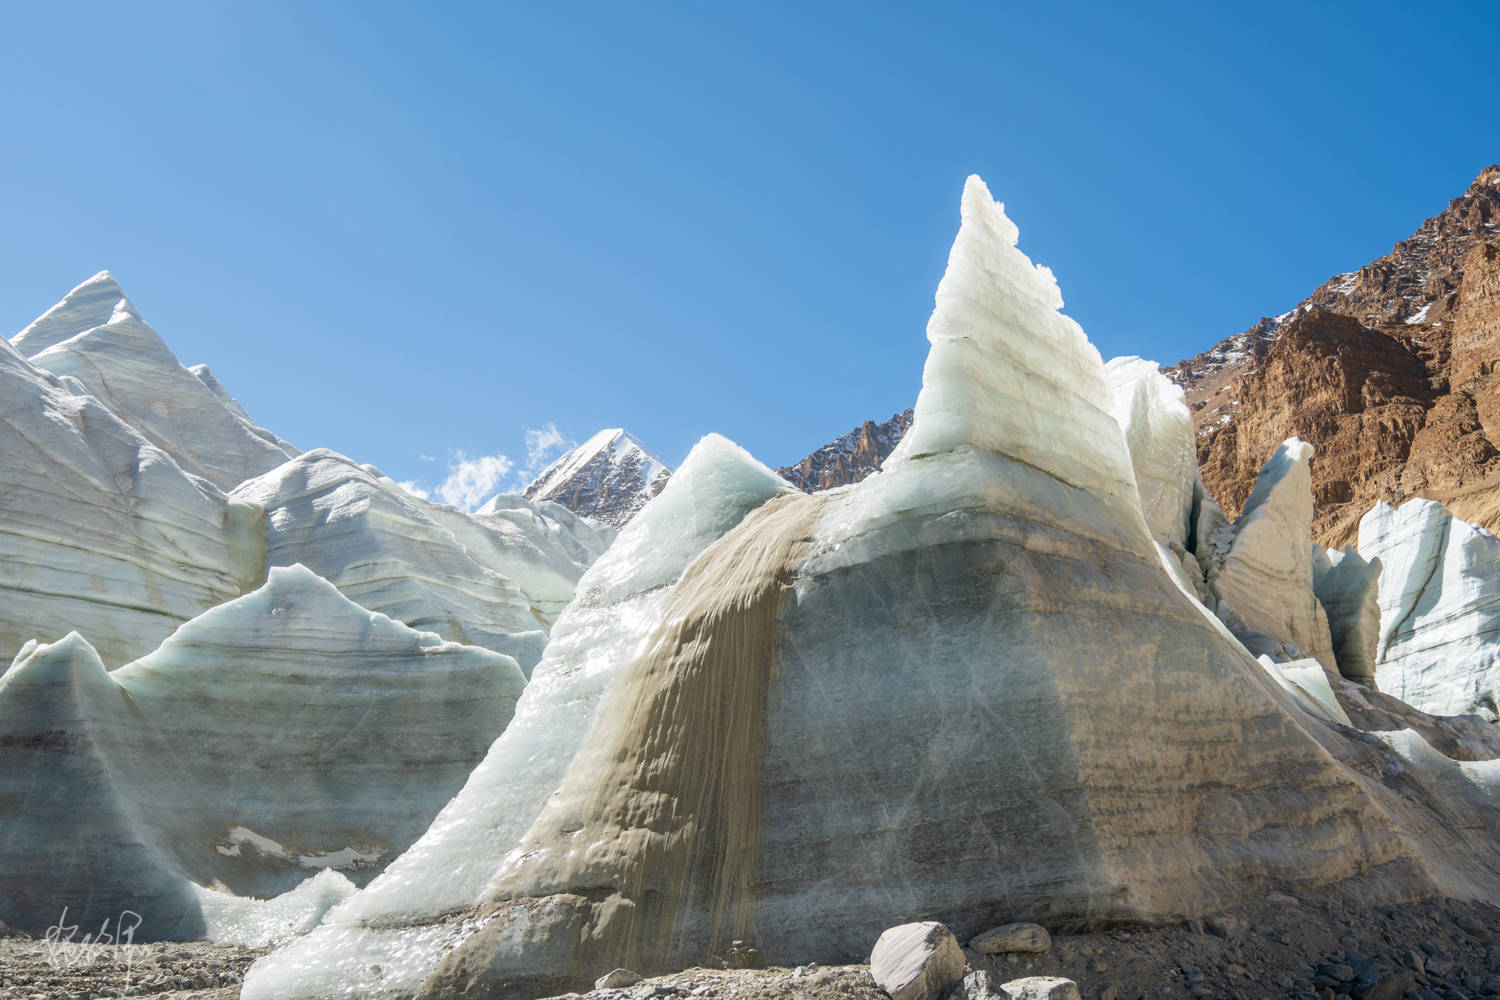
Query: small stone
[
  {"x": 1439, "y": 965},
  {"x": 1009, "y": 938},
  {"x": 1384, "y": 986},
  {"x": 1109, "y": 993},
  {"x": 1200, "y": 990},
  {"x": 981, "y": 985},
  {"x": 1194, "y": 925},
  {"x": 917, "y": 961},
  {"x": 1098, "y": 965},
  {"x": 1224, "y": 927},
  {"x": 1042, "y": 988},
  {"x": 1469, "y": 925},
  {"x": 617, "y": 979}
]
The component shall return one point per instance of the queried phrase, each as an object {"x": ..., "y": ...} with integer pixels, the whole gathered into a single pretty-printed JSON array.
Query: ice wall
[
  {"x": 494, "y": 580},
  {"x": 121, "y": 361},
  {"x": 1439, "y": 595},
  {"x": 100, "y": 530},
  {"x": 276, "y": 735},
  {"x": 405, "y": 920}
]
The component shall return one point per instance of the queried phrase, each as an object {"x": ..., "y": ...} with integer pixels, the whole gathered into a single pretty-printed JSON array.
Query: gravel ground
[
  {"x": 37, "y": 968},
  {"x": 1279, "y": 947}
]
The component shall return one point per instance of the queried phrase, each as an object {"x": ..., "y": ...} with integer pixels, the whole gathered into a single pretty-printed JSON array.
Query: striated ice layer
[
  {"x": 100, "y": 530},
  {"x": 410, "y": 908},
  {"x": 70, "y": 827},
  {"x": 1439, "y": 607},
  {"x": 1264, "y": 580},
  {"x": 122, "y": 362},
  {"x": 279, "y": 734},
  {"x": 1151, "y": 410},
  {"x": 491, "y": 580}
]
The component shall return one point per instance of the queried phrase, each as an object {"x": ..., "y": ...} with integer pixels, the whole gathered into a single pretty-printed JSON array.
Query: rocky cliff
[
  {"x": 849, "y": 458},
  {"x": 1386, "y": 369}
]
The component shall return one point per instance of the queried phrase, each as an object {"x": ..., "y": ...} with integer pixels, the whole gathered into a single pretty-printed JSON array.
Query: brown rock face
[
  {"x": 850, "y": 458},
  {"x": 1388, "y": 370}
]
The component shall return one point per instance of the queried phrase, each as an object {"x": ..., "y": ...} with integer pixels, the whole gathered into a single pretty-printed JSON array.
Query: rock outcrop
[
  {"x": 1386, "y": 370},
  {"x": 849, "y": 458},
  {"x": 608, "y": 478}
]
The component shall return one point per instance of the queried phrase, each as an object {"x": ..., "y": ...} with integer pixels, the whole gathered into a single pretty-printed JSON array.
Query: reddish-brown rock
[{"x": 1391, "y": 371}]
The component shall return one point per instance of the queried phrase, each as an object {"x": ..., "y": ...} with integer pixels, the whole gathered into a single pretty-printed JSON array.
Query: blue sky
[{"x": 400, "y": 230}]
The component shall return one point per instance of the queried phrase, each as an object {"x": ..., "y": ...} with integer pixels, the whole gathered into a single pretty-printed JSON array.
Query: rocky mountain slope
[
  {"x": 609, "y": 477},
  {"x": 1386, "y": 370},
  {"x": 849, "y": 458}
]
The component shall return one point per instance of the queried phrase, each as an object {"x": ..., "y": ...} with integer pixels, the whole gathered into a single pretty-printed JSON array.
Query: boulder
[
  {"x": 1012, "y": 937},
  {"x": 917, "y": 961},
  {"x": 616, "y": 979}
]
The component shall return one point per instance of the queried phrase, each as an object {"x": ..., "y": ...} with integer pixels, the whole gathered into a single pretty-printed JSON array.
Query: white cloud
[
  {"x": 472, "y": 481},
  {"x": 542, "y": 442},
  {"x": 415, "y": 490},
  {"x": 426, "y": 457}
]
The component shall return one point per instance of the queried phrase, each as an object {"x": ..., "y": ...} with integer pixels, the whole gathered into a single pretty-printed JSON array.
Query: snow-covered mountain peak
[
  {"x": 96, "y": 302},
  {"x": 609, "y": 477}
]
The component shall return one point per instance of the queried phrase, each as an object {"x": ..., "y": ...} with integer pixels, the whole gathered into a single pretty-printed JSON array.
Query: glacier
[
  {"x": 404, "y": 921},
  {"x": 122, "y": 362},
  {"x": 282, "y": 733},
  {"x": 495, "y": 579},
  {"x": 1439, "y": 602},
  {"x": 100, "y": 530},
  {"x": 969, "y": 688}
]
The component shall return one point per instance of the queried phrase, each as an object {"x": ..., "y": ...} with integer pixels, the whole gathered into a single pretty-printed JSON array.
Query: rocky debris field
[
  {"x": 70, "y": 970},
  {"x": 1282, "y": 946}
]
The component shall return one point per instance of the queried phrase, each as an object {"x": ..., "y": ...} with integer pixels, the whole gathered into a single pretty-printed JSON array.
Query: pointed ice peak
[
  {"x": 70, "y": 661},
  {"x": 1007, "y": 372},
  {"x": 716, "y": 486},
  {"x": 1285, "y": 480},
  {"x": 94, "y": 303}
]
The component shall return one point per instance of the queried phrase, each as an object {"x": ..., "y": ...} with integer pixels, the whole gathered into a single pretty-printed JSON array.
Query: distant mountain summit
[
  {"x": 609, "y": 477},
  {"x": 849, "y": 458},
  {"x": 1389, "y": 370}
]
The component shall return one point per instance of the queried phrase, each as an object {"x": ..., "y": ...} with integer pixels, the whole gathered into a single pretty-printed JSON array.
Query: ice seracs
[
  {"x": 1158, "y": 428},
  {"x": 100, "y": 530},
  {"x": 962, "y": 688},
  {"x": 418, "y": 908},
  {"x": 121, "y": 361},
  {"x": 609, "y": 477},
  {"x": 279, "y": 734},
  {"x": 1263, "y": 579},
  {"x": 496, "y": 579},
  {"x": 1439, "y": 594}
]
